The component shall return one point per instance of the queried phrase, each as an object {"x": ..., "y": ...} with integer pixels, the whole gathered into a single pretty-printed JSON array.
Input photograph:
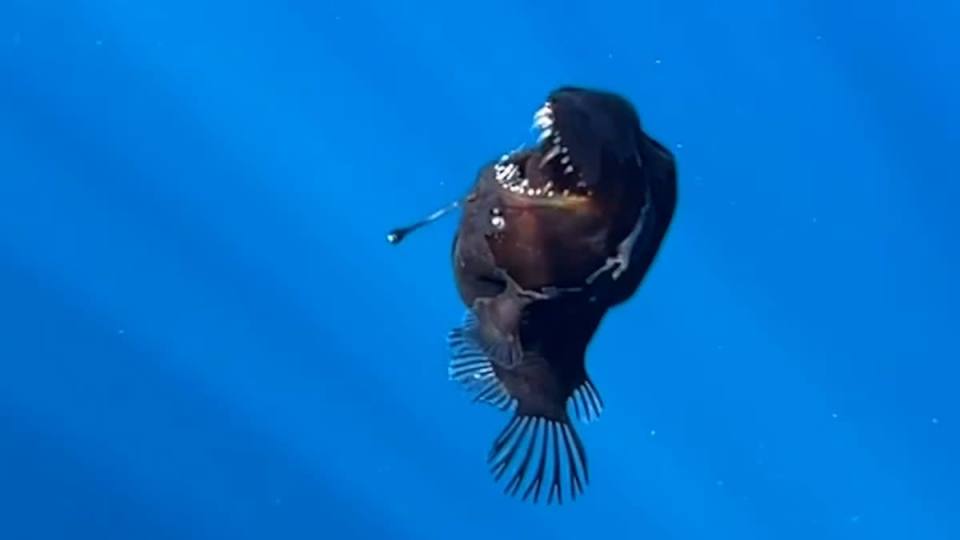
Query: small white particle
[
  {"x": 679, "y": 145},
  {"x": 834, "y": 416},
  {"x": 934, "y": 420},
  {"x": 121, "y": 332},
  {"x": 658, "y": 61},
  {"x": 653, "y": 433}
]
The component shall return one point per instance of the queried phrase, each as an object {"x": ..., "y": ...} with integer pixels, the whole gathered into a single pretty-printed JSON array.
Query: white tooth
[
  {"x": 530, "y": 192},
  {"x": 550, "y": 193},
  {"x": 564, "y": 159},
  {"x": 543, "y": 122},
  {"x": 546, "y": 133},
  {"x": 548, "y": 185},
  {"x": 568, "y": 170},
  {"x": 564, "y": 149},
  {"x": 566, "y": 193},
  {"x": 506, "y": 172},
  {"x": 554, "y": 152}
]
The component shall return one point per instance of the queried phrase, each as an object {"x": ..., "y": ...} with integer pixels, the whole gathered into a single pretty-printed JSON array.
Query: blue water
[{"x": 203, "y": 333}]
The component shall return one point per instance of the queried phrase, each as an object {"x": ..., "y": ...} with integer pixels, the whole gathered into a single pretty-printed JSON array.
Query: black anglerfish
[{"x": 551, "y": 237}]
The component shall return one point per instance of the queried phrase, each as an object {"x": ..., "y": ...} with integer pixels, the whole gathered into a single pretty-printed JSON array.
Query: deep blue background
[{"x": 204, "y": 335}]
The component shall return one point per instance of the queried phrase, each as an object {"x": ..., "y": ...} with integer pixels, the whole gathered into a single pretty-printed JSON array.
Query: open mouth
[{"x": 547, "y": 170}]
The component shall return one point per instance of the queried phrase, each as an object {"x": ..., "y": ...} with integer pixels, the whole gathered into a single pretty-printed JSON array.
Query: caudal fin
[{"x": 540, "y": 455}]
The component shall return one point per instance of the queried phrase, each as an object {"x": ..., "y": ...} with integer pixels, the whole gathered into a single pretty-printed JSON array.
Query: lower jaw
[{"x": 565, "y": 201}]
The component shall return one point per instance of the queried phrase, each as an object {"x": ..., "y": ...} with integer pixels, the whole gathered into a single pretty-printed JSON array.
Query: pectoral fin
[{"x": 489, "y": 338}]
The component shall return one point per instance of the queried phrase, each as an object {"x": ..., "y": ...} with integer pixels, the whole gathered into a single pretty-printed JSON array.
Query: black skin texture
[{"x": 535, "y": 276}]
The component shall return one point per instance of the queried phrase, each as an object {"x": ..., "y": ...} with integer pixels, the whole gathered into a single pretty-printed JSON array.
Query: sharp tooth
[
  {"x": 506, "y": 172},
  {"x": 568, "y": 170},
  {"x": 543, "y": 122},
  {"x": 546, "y": 133},
  {"x": 564, "y": 159},
  {"x": 554, "y": 152},
  {"x": 564, "y": 149}
]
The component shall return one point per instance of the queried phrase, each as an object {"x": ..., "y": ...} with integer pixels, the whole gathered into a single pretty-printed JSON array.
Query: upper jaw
[
  {"x": 545, "y": 171},
  {"x": 551, "y": 140}
]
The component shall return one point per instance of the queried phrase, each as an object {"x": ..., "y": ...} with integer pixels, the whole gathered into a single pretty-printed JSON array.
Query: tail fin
[{"x": 553, "y": 455}]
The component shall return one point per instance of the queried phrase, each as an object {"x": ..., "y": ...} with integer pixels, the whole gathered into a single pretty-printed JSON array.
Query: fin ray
[
  {"x": 586, "y": 401},
  {"x": 471, "y": 365},
  {"x": 544, "y": 456}
]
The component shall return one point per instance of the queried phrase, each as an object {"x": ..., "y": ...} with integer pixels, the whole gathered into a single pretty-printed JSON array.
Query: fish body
[{"x": 550, "y": 239}]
